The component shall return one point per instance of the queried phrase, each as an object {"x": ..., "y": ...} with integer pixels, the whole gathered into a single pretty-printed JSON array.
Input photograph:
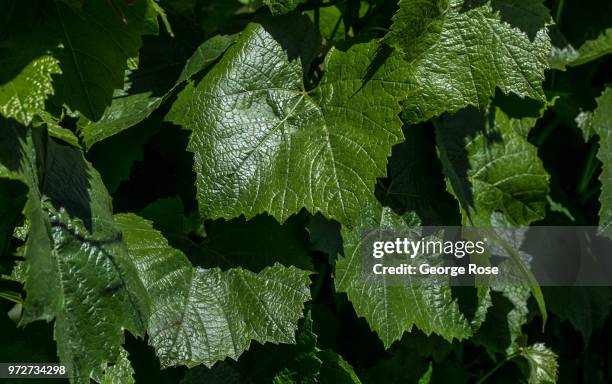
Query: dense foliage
[{"x": 184, "y": 185}]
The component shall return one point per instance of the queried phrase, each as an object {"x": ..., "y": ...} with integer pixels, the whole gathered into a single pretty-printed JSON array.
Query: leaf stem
[
  {"x": 320, "y": 5},
  {"x": 589, "y": 169},
  {"x": 498, "y": 366},
  {"x": 317, "y": 15},
  {"x": 559, "y": 13},
  {"x": 318, "y": 283}
]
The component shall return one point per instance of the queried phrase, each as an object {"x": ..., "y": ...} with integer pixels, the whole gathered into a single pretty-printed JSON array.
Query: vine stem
[
  {"x": 589, "y": 169},
  {"x": 559, "y": 13},
  {"x": 317, "y": 15},
  {"x": 498, "y": 366}
]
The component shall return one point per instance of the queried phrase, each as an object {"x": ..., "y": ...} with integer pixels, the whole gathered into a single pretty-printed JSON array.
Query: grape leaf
[
  {"x": 200, "y": 316},
  {"x": 301, "y": 363},
  {"x": 325, "y": 236},
  {"x": 27, "y": 62},
  {"x": 56, "y": 131},
  {"x": 450, "y": 45},
  {"x": 262, "y": 143},
  {"x": 594, "y": 49},
  {"x": 602, "y": 124},
  {"x": 527, "y": 15},
  {"x": 305, "y": 365},
  {"x": 78, "y": 271},
  {"x": 335, "y": 369},
  {"x": 594, "y": 304},
  {"x": 279, "y": 7},
  {"x": 584, "y": 122},
  {"x": 491, "y": 167},
  {"x": 504, "y": 321},
  {"x": 542, "y": 362},
  {"x": 100, "y": 292},
  {"x": 566, "y": 55},
  {"x": 393, "y": 310},
  {"x": 119, "y": 373},
  {"x": 123, "y": 113},
  {"x": 126, "y": 111},
  {"x": 12, "y": 200},
  {"x": 24, "y": 87},
  {"x": 97, "y": 43},
  {"x": 205, "y": 54}
]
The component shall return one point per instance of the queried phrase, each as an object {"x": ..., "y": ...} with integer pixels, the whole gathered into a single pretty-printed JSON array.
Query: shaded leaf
[
  {"x": 392, "y": 310},
  {"x": 201, "y": 316},
  {"x": 126, "y": 111},
  {"x": 97, "y": 42},
  {"x": 602, "y": 124},
  {"x": 78, "y": 271},
  {"x": 491, "y": 167},
  {"x": 593, "y": 304},
  {"x": 594, "y": 49},
  {"x": 449, "y": 45},
  {"x": 278, "y": 7}
]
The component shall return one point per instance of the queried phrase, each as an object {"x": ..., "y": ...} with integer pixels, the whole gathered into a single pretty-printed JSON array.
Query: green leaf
[
  {"x": 530, "y": 16},
  {"x": 449, "y": 45},
  {"x": 127, "y": 111},
  {"x": 119, "y": 373},
  {"x": 301, "y": 363},
  {"x": 200, "y": 316},
  {"x": 584, "y": 121},
  {"x": 586, "y": 308},
  {"x": 491, "y": 166},
  {"x": 78, "y": 271},
  {"x": 55, "y": 130},
  {"x": 392, "y": 310},
  {"x": 426, "y": 378},
  {"x": 602, "y": 124},
  {"x": 594, "y": 49},
  {"x": 95, "y": 282},
  {"x": 279, "y": 7},
  {"x": 505, "y": 319},
  {"x": 97, "y": 43},
  {"x": 123, "y": 113},
  {"x": 542, "y": 362},
  {"x": 262, "y": 143},
  {"x": 305, "y": 365},
  {"x": 27, "y": 66},
  {"x": 413, "y": 23},
  {"x": 336, "y": 370},
  {"x": 27, "y": 62},
  {"x": 19, "y": 161},
  {"x": 325, "y": 236},
  {"x": 13, "y": 196},
  {"x": 207, "y": 53},
  {"x": 168, "y": 217}
]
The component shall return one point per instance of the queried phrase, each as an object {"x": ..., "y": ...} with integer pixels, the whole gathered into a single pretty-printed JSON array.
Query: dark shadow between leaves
[
  {"x": 452, "y": 133},
  {"x": 67, "y": 182},
  {"x": 528, "y": 16},
  {"x": 296, "y": 34},
  {"x": 494, "y": 334},
  {"x": 415, "y": 181}
]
